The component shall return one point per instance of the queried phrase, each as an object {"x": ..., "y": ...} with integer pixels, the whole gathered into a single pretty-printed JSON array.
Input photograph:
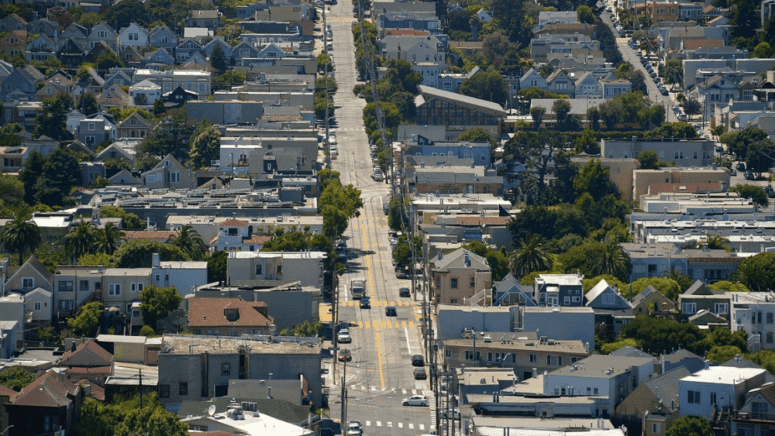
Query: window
[
  {"x": 712, "y": 398},
  {"x": 453, "y": 283},
  {"x": 721, "y": 308},
  {"x": 37, "y": 306},
  {"x": 91, "y": 126},
  {"x": 279, "y": 269},
  {"x": 548, "y": 359},
  {"x": 655, "y": 428},
  {"x": 447, "y": 353},
  {"x": 472, "y": 281},
  {"x": 566, "y": 301},
  {"x": 66, "y": 286},
  {"x": 694, "y": 397},
  {"x": 533, "y": 358},
  {"x": 470, "y": 355},
  {"x": 174, "y": 177},
  {"x": 225, "y": 369},
  {"x": 115, "y": 289},
  {"x": 259, "y": 270},
  {"x": 689, "y": 308},
  {"x": 139, "y": 287},
  {"x": 164, "y": 391},
  {"x": 595, "y": 391},
  {"x": 769, "y": 317},
  {"x": 183, "y": 389},
  {"x": 28, "y": 283},
  {"x": 133, "y": 287},
  {"x": 84, "y": 285},
  {"x": 559, "y": 360},
  {"x": 576, "y": 299},
  {"x": 769, "y": 337}
]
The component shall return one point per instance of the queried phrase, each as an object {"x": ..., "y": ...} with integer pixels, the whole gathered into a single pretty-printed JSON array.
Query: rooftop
[
  {"x": 192, "y": 344},
  {"x": 723, "y": 375},
  {"x": 602, "y": 366}
]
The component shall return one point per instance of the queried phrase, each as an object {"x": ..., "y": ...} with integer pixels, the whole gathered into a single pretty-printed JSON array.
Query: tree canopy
[
  {"x": 87, "y": 321},
  {"x": 757, "y": 272},
  {"x": 489, "y": 85},
  {"x": 157, "y": 303},
  {"x": 138, "y": 253}
]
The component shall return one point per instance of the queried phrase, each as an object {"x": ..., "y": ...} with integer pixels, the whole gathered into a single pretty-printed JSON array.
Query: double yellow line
[{"x": 371, "y": 289}]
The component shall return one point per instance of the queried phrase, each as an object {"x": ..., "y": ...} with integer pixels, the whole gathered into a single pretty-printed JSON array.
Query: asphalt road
[{"x": 380, "y": 373}]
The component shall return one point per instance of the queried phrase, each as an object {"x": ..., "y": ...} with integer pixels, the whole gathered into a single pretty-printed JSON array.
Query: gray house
[
  {"x": 169, "y": 173},
  {"x": 23, "y": 79}
]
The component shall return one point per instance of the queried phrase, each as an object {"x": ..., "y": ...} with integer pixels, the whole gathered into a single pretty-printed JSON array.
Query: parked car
[
  {"x": 354, "y": 428},
  {"x": 732, "y": 172},
  {"x": 334, "y": 152},
  {"x": 377, "y": 175},
  {"x": 344, "y": 355},
  {"x": 404, "y": 292},
  {"x": 450, "y": 414},
  {"x": 420, "y": 374},
  {"x": 770, "y": 191},
  {"x": 344, "y": 337},
  {"x": 749, "y": 175},
  {"x": 663, "y": 91},
  {"x": 417, "y": 360},
  {"x": 391, "y": 311},
  {"x": 741, "y": 166},
  {"x": 365, "y": 303},
  {"x": 415, "y": 400}
]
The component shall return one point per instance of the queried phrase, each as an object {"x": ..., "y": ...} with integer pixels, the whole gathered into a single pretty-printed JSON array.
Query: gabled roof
[
  {"x": 597, "y": 290},
  {"x": 233, "y": 223},
  {"x": 699, "y": 288},
  {"x": 10, "y": 393},
  {"x": 35, "y": 264},
  {"x": 460, "y": 258},
  {"x": 86, "y": 354},
  {"x": 680, "y": 354},
  {"x": 665, "y": 386},
  {"x": 630, "y": 351},
  {"x": 211, "y": 312},
  {"x": 48, "y": 390},
  {"x": 644, "y": 294},
  {"x": 124, "y": 175},
  {"x": 705, "y": 317}
]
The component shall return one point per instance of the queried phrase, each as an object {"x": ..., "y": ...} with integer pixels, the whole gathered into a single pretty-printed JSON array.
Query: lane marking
[{"x": 408, "y": 346}]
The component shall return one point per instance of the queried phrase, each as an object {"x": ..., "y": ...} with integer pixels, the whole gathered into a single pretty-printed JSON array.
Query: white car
[
  {"x": 415, "y": 400},
  {"x": 344, "y": 337},
  {"x": 332, "y": 139},
  {"x": 354, "y": 428},
  {"x": 450, "y": 414}
]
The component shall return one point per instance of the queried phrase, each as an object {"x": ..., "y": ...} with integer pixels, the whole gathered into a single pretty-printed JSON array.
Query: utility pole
[{"x": 344, "y": 394}]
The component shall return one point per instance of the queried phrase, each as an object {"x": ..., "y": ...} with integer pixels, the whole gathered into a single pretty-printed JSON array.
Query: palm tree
[
  {"x": 20, "y": 236},
  {"x": 108, "y": 239},
  {"x": 529, "y": 257},
  {"x": 80, "y": 239},
  {"x": 189, "y": 242},
  {"x": 614, "y": 261}
]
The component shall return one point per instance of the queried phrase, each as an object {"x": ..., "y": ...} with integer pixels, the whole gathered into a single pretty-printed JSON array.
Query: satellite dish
[{"x": 211, "y": 410}]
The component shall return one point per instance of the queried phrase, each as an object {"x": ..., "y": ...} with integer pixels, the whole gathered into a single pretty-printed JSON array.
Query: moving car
[
  {"x": 344, "y": 355},
  {"x": 377, "y": 175},
  {"x": 404, "y": 292},
  {"x": 420, "y": 374},
  {"x": 391, "y": 311},
  {"x": 415, "y": 400},
  {"x": 344, "y": 337},
  {"x": 741, "y": 166},
  {"x": 354, "y": 428},
  {"x": 417, "y": 360},
  {"x": 365, "y": 303}
]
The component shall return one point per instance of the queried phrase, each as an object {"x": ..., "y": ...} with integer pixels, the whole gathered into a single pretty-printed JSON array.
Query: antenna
[{"x": 211, "y": 410}]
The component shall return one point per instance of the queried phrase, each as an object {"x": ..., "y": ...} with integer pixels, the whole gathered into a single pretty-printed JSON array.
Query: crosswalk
[
  {"x": 409, "y": 425},
  {"x": 384, "y": 325},
  {"x": 380, "y": 303}
]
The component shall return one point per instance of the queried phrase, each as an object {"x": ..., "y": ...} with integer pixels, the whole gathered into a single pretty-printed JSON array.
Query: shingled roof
[
  {"x": 87, "y": 355},
  {"x": 49, "y": 390},
  {"x": 211, "y": 312}
]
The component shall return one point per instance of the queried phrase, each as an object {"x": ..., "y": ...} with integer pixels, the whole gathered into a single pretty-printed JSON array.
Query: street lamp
[{"x": 6, "y": 429}]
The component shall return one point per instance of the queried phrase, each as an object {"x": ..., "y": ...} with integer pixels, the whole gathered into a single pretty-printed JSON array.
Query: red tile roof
[
  {"x": 406, "y": 32},
  {"x": 694, "y": 44},
  {"x": 234, "y": 223},
  {"x": 10, "y": 393},
  {"x": 211, "y": 312},
  {"x": 95, "y": 391},
  {"x": 48, "y": 390}
]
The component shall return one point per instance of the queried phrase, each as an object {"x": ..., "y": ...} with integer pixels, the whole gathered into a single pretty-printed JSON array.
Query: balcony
[{"x": 754, "y": 417}]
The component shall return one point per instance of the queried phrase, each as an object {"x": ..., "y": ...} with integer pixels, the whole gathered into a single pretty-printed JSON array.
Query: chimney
[{"x": 441, "y": 255}]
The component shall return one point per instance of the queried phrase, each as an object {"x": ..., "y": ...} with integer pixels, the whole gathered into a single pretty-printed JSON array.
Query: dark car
[
  {"x": 741, "y": 166},
  {"x": 749, "y": 175},
  {"x": 391, "y": 311},
  {"x": 770, "y": 191},
  {"x": 420, "y": 374},
  {"x": 664, "y": 91},
  {"x": 404, "y": 292},
  {"x": 417, "y": 360},
  {"x": 365, "y": 303}
]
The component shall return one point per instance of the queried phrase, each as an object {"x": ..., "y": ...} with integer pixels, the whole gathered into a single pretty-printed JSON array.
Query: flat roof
[
  {"x": 726, "y": 375},
  {"x": 179, "y": 344},
  {"x": 272, "y": 254},
  {"x": 602, "y": 366}
]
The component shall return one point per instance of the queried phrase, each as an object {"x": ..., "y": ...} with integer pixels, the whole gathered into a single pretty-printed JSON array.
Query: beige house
[
  {"x": 651, "y": 300},
  {"x": 459, "y": 275},
  {"x": 29, "y": 276},
  {"x": 653, "y": 403},
  {"x": 170, "y": 174},
  {"x": 134, "y": 127},
  {"x": 123, "y": 286},
  {"x": 679, "y": 180}
]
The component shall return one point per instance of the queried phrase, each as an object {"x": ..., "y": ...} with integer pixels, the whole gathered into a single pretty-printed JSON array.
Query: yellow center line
[{"x": 371, "y": 288}]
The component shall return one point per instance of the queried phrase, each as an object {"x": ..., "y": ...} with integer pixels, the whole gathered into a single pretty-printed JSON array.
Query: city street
[{"x": 380, "y": 374}]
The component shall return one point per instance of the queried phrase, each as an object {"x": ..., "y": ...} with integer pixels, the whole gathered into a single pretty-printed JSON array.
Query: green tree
[
  {"x": 138, "y": 253},
  {"x": 739, "y": 142},
  {"x": 613, "y": 346},
  {"x": 561, "y": 109},
  {"x": 396, "y": 219},
  {"x": 755, "y": 193},
  {"x": 189, "y": 242},
  {"x": 338, "y": 204},
  {"x": 15, "y": 377},
  {"x": 151, "y": 422},
  {"x": 108, "y": 239},
  {"x": 147, "y": 331},
  {"x": 537, "y": 113},
  {"x": 689, "y": 426},
  {"x": 585, "y": 15},
  {"x": 87, "y": 104},
  {"x": 649, "y": 160},
  {"x": 658, "y": 335},
  {"x": 61, "y": 173},
  {"x": 168, "y": 136},
  {"x": 727, "y": 286},
  {"x": 80, "y": 240},
  {"x": 759, "y": 156},
  {"x": 672, "y": 71},
  {"x": 402, "y": 253},
  {"x": 757, "y": 272},
  {"x": 122, "y": 14},
  {"x": 594, "y": 179},
  {"x": 668, "y": 287},
  {"x": 587, "y": 142},
  {"x": 87, "y": 321},
  {"x": 477, "y": 135},
  {"x": 52, "y": 120},
  {"x": 128, "y": 219},
  {"x": 613, "y": 260},
  {"x": 611, "y": 280},
  {"x": 323, "y": 62},
  {"x": 762, "y": 50},
  {"x": 205, "y": 145},
  {"x": 94, "y": 259},
  {"x": 489, "y": 85},
  {"x": 108, "y": 59},
  {"x": 218, "y": 59},
  {"x": 157, "y": 303},
  {"x": 529, "y": 257},
  {"x": 216, "y": 266},
  {"x": 20, "y": 236}
]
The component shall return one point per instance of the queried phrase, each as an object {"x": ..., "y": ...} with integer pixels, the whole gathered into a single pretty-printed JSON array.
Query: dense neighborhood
[{"x": 306, "y": 217}]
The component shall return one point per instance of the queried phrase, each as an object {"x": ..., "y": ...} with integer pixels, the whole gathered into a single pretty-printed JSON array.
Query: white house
[
  {"x": 39, "y": 303},
  {"x": 754, "y": 312},
  {"x": 145, "y": 93},
  {"x": 133, "y": 35},
  {"x": 182, "y": 275},
  {"x": 247, "y": 267},
  {"x": 717, "y": 386}
]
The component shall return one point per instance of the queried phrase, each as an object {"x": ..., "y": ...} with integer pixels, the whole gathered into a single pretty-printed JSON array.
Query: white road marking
[
  {"x": 403, "y": 391},
  {"x": 422, "y": 427},
  {"x": 408, "y": 345},
  {"x": 379, "y": 424},
  {"x": 368, "y": 423},
  {"x": 389, "y": 424},
  {"x": 411, "y": 426}
]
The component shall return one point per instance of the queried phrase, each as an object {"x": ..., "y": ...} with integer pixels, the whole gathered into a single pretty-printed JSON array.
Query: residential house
[
  {"x": 531, "y": 79},
  {"x": 242, "y": 52},
  {"x": 163, "y": 37},
  {"x": 699, "y": 297},
  {"x": 459, "y": 275},
  {"x": 169, "y": 173},
  {"x": 45, "y": 406},
  {"x": 613, "y": 87},
  {"x": 754, "y": 312},
  {"x": 458, "y": 112},
  {"x": 56, "y": 85},
  {"x": 178, "y": 97},
  {"x": 554, "y": 17},
  {"x": 414, "y": 49},
  {"x": 228, "y": 317},
  {"x": 245, "y": 268},
  {"x": 691, "y": 11},
  {"x": 74, "y": 286},
  {"x": 509, "y": 291},
  {"x": 116, "y": 77},
  {"x": 41, "y": 48},
  {"x": 612, "y": 311},
  {"x": 104, "y": 33},
  {"x": 134, "y": 127},
  {"x": 122, "y": 288},
  {"x": 31, "y": 275},
  {"x": 662, "y": 11},
  {"x": 681, "y": 358},
  {"x": 13, "y": 42},
  {"x": 131, "y": 56},
  {"x": 187, "y": 48},
  {"x": 197, "y": 81},
  {"x": 559, "y": 323},
  {"x": 12, "y": 22},
  {"x": 558, "y": 290},
  {"x": 654, "y": 404},
  {"x": 39, "y": 303},
  {"x": 184, "y": 276},
  {"x": 87, "y": 360},
  {"x": 133, "y": 35},
  {"x": 22, "y": 81},
  {"x": 125, "y": 178},
  {"x": 159, "y": 57},
  {"x": 218, "y": 40},
  {"x": 757, "y": 414},
  {"x": 114, "y": 96},
  {"x": 454, "y": 179},
  {"x": 650, "y": 300},
  {"x": 612, "y": 377},
  {"x": 559, "y": 83},
  {"x": 204, "y": 18},
  {"x": 145, "y": 93},
  {"x": 43, "y": 26},
  {"x": 116, "y": 151},
  {"x": 13, "y": 316},
  {"x": 403, "y": 20},
  {"x": 684, "y": 153},
  {"x": 22, "y": 111},
  {"x": 767, "y": 8},
  {"x": 587, "y": 86},
  {"x": 75, "y": 32},
  {"x": 95, "y": 131},
  {"x": 717, "y": 387}
]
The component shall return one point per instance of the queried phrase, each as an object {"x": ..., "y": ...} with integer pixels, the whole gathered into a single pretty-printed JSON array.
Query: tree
[
  {"x": 87, "y": 104},
  {"x": 613, "y": 346},
  {"x": 108, "y": 59},
  {"x": 586, "y": 142},
  {"x": 218, "y": 59},
  {"x": 338, "y": 204},
  {"x": 15, "y": 377},
  {"x": 157, "y": 303},
  {"x": 739, "y": 142},
  {"x": 649, "y": 160},
  {"x": 402, "y": 253},
  {"x": 692, "y": 106},
  {"x": 477, "y": 135},
  {"x": 727, "y": 286},
  {"x": 216, "y": 266},
  {"x": 170, "y": 136},
  {"x": 594, "y": 179},
  {"x": 123, "y": 14},
  {"x": 668, "y": 287},
  {"x": 61, "y": 173},
  {"x": 80, "y": 239},
  {"x": 613, "y": 260},
  {"x": 108, "y": 239},
  {"x": 20, "y": 236},
  {"x": 722, "y": 353},
  {"x": 537, "y": 113},
  {"x": 689, "y": 426},
  {"x": 585, "y": 15},
  {"x": 757, "y": 272},
  {"x": 763, "y": 50},
  {"x": 205, "y": 145},
  {"x": 561, "y": 109},
  {"x": 672, "y": 71},
  {"x": 489, "y": 85},
  {"x": 94, "y": 259},
  {"x": 125, "y": 417},
  {"x": 147, "y": 331},
  {"x": 760, "y": 156},
  {"x": 138, "y": 254},
  {"x": 128, "y": 219},
  {"x": 611, "y": 280},
  {"x": 658, "y": 335},
  {"x": 189, "y": 242},
  {"x": 52, "y": 120},
  {"x": 530, "y": 256},
  {"x": 87, "y": 321},
  {"x": 755, "y": 193}
]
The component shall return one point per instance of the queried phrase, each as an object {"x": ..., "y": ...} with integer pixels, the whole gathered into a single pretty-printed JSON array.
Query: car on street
[
  {"x": 354, "y": 428},
  {"x": 391, "y": 311},
  {"x": 417, "y": 360},
  {"x": 334, "y": 152},
  {"x": 732, "y": 172},
  {"x": 365, "y": 303},
  {"x": 749, "y": 175},
  {"x": 663, "y": 91},
  {"x": 770, "y": 191},
  {"x": 450, "y": 414},
  {"x": 400, "y": 273},
  {"x": 344, "y": 355},
  {"x": 415, "y": 400},
  {"x": 404, "y": 292},
  {"x": 741, "y": 166},
  {"x": 343, "y": 326},
  {"x": 377, "y": 175},
  {"x": 420, "y": 374},
  {"x": 344, "y": 337}
]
